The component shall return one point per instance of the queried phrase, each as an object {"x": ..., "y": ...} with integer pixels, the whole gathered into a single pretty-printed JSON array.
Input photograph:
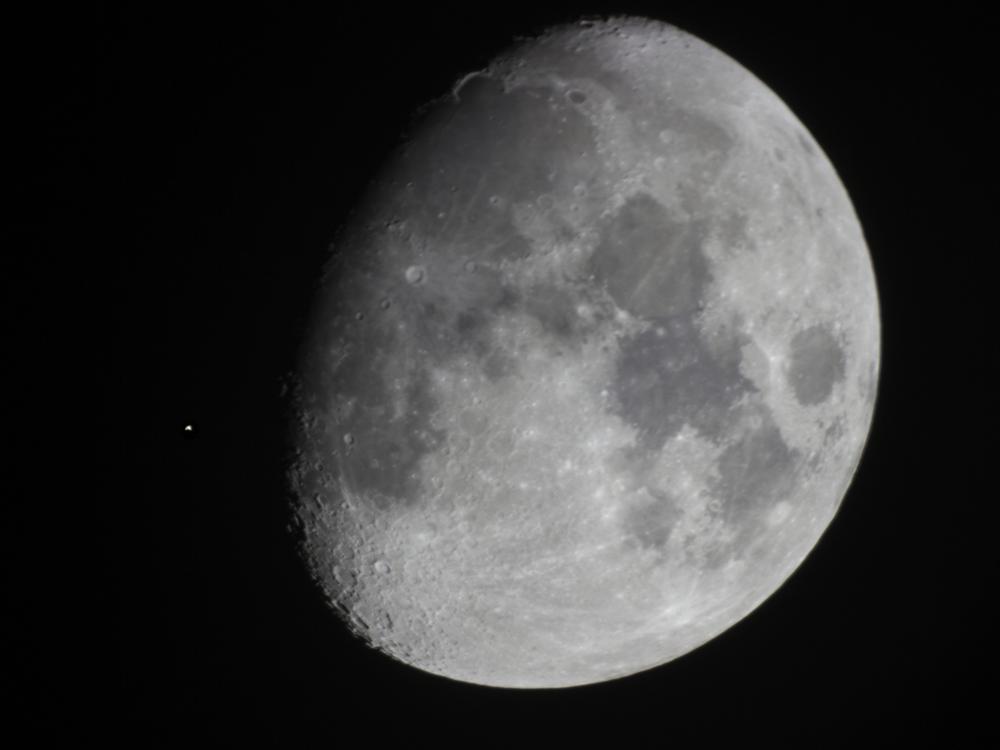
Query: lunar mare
[{"x": 591, "y": 370}]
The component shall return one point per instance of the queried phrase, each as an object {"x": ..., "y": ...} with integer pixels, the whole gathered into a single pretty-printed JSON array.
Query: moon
[{"x": 590, "y": 369}]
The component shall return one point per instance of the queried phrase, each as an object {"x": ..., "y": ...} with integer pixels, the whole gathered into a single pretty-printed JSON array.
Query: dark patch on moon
[
  {"x": 652, "y": 265},
  {"x": 555, "y": 310},
  {"x": 698, "y": 134},
  {"x": 445, "y": 333},
  {"x": 868, "y": 383},
  {"x": 651, "y": 523},
  {"x": 833, "y": 433},
  {"x": 816, "y": 363},
  {"x": 385, "y": 449},
  {"x": 667, "y": 377},
  {"x": 791, "y": 191},
  {"x": 455, "y": 317},
  {"x": 472, "y": 328},
  {"x": 497, "y": 365},
  {"x": 634, "y": 464},
  {"x": 754, "y": 473},
  {"x": 734, "y": 232},
  {"x": 514, "y": 248},
  {"x": 806, "y": 145},
  {"x": 513, "y": 143}
]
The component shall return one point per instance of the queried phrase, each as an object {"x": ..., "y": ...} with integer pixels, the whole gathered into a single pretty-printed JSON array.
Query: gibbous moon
[{"x": 591, "y": 368}]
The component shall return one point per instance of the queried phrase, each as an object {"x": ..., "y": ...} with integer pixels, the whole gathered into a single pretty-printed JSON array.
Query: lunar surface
[{"x": 590, "y": 371}]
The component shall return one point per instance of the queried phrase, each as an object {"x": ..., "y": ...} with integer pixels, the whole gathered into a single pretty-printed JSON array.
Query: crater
[
  {"x": 650, "y": 264},
  {"x": 667, "y": 377},
  {"x": 816, "y": 364}
]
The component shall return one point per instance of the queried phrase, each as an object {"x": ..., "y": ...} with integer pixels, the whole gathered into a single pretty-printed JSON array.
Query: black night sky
[{"x": 221, "y": 149}]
